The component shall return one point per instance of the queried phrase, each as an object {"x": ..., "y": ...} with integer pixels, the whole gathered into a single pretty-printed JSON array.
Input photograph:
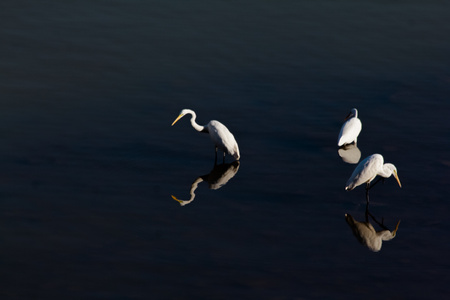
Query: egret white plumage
[
  {"x": 350, "y": 129},
  {"x": 368, "y": 169},
  {"x": 222, "y": 138}
]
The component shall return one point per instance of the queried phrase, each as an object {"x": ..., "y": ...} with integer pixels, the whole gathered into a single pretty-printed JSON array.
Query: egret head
[
  {"x": 393, "y": 171},
  {"x": 353, "y": 113},
  {"x": 182, "y": 114},
  {"x": 396, "y": 177}
]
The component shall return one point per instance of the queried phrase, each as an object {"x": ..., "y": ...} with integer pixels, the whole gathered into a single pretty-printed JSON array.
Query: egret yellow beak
[
  {"x": 176, "y": 120},
  {"x": 396, "y": 177},
  {"x": 396, "y": 228},
  {"x": 175, "y": 198}
]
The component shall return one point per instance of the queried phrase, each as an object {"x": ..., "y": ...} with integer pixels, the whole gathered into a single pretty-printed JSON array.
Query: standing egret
[
  {"x": 368, "y": 169},
  {"x": 350, "y": 129},
  {"x": 222, "y": 138}
]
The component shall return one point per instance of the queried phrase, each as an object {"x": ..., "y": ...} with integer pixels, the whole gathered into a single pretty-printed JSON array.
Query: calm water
[{"x": 89, "y": 160}]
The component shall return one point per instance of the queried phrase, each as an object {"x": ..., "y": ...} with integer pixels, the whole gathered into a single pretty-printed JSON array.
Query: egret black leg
[
  {"x": 367, "y": 192},
  {"x": 224, "y": 153},
  {"x": 378, "y": 180}
]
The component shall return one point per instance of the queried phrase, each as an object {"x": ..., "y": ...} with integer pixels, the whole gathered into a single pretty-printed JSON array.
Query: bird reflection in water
[
  {"x": 218, "y": 177},
  {"x": 366, "y": 233},
  {"x": 350, "y": 153}
]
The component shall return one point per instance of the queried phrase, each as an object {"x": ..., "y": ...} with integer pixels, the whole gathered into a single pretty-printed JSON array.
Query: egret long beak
[
  {"x": 175, "y": 198},
  {"x": 348, "y": 116},
  {"x": 396, "y": 177},
  {"x": 396, "y": 228},
  {"x": 176, "y": 120}
]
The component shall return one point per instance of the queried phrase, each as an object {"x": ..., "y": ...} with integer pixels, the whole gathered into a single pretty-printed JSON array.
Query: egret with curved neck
[
  {"x": 368, "y": 169},
  {"x": 222, "y": 138}
]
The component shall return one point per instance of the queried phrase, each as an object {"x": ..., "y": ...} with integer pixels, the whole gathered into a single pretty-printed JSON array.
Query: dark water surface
[{"x": 89, "y": 160}]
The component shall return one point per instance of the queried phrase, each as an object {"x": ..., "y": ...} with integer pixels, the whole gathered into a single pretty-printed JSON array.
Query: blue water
[{"x": 89, "y": 160}]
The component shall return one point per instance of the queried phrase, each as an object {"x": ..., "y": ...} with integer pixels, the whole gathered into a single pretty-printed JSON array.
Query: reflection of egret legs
[
  {"x": 382, "y": 221},
  {"x": 373, "y": 218}
]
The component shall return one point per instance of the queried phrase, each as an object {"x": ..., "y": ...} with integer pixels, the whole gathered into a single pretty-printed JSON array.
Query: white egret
[
  {"x": 367, "y": 235},
  {"x": 368, "y": 169},
  {"x": 350, "y": 129},
  {"x": 222, "y": 138}
]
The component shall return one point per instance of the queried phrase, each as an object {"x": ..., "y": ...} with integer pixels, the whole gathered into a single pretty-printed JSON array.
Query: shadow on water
[
  {"x": 217, "y": 178},
  {"x": 366, "y": 234}
]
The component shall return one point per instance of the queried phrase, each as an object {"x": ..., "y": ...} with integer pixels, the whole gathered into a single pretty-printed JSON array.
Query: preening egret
[
  {"x": 367, "y": 235},
  {"x": 222, "y": 138},
  {"x": 368, "y": 169},
  {"x": 350, "y": 129}
]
